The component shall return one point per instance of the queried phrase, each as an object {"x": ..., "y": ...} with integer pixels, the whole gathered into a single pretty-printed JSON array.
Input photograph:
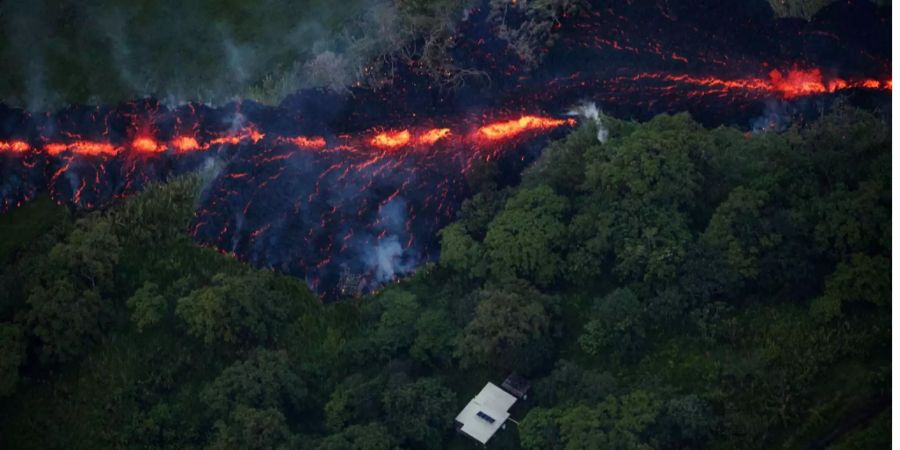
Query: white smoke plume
[
  {"x": 388, "y": 259},
  {"x": 590, "y": 111}
]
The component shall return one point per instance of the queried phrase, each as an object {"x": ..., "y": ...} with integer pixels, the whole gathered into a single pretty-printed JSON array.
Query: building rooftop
[{"x": 485, "y": 413}]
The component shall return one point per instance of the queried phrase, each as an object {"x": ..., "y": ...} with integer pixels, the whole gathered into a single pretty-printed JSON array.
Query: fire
[
  {"x": 147, "y": 145},
  {"x": 255, "y": 136},
  {"x": 511, "y": 128},
  {"x": 391, "y": 139},
  {"x": 871, "y": 84},
  {"x": 185, "y": 144},
  {"x": 797, "y": 83},
  {"x": 14, "y": 146},
  {"x": 433, "y": 135}
]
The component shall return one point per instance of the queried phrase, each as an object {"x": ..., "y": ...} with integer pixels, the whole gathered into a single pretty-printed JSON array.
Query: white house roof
[{"x": 491, "y": 403}]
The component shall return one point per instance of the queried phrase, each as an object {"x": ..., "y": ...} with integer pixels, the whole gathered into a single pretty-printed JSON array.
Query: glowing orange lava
[
  {"x": 251, "y": 134},
  {"x": 797, "y": 82},
  {"x": 307, "y": 142},
  {"x": 871, "y": 84},
  {"x": 185, "y": 144},
  {"x": 14, "y": 146},
  {"x": 88, "y": 148},
  {"x": 791, "y": 84},
  {"x": 433, "y": 135},
  {"x": 391, "y": 139},
  {"x": 255, "y": 135},
  {"x": 511, "y": 128},
  {"x": 147, "y": 145}
]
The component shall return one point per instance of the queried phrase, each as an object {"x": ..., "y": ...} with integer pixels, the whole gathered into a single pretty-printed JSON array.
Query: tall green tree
[
  {"x": 267, "y": 379},
  {"x": 617, "y": 325},
  {"x": 420, "y": 411},
  {"x": 12, "y": 355},
  {"x": 505, "y": 330},
  {"x": 528, "y": 237},
  {"x": 238, "y": 309}
]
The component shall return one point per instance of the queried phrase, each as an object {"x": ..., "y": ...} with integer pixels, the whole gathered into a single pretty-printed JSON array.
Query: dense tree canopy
[{"x": 670, "y": 287}]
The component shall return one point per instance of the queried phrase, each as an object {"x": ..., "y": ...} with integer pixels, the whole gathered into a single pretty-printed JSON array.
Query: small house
[{"x": 486, "y": 413}]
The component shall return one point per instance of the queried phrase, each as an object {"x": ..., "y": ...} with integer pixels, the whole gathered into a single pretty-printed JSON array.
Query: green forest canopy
[{"x": 674, "y": 287}]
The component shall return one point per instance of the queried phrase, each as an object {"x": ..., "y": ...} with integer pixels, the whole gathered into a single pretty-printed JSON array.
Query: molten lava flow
[
  {"x": 798, "y": 83},
  {"x": 185, "y": 144},
  {"x": 511, "y": 128},
  {"x": 433, "y": 135},
  {"x": 793, "y": 84},
  {"x": 147, "y": 145},
  {"x": 82, "y": 147},
  {"x": 391, "y": 139},
  {"x": 249, "y": 133},
  {"x": 14, "y": 146},
  {"x": 307, "y": 142}
]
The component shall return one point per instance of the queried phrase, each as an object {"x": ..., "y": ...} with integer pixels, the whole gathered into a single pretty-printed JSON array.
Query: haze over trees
[
  {"x": 108, "y": 51},
  {"x": 673, "y": 287}
]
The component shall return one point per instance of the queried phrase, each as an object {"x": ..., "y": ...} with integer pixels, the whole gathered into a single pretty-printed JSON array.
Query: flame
[
  {"x": 871, "y": 84},
  {"x": 146, "y": 145},
  {"x": 511, "y": 128},
  {"x": 433, "y": 135},
  {"x": 185, "y": 144},
  {"x": 255, "y": 136},
  {"x": 496, "y": 131},
  {"x": 391, "y": 139},
  {"x": 14, "y": 146},
  {"x": 797, "y": 83}
]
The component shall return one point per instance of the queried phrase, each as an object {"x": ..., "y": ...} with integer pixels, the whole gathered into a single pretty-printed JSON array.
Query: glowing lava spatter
[
  {"x": 15, "y": 146},
  {"x": 433, "y": 135},
  {"x": 391, "y": 139},
  {"x": 81, "y": 147},
  {"x": 307, "y": 142},
  {"x": 147, "y": 145},
  {"x": 799, "y": 83},
  {"x": 497, "y": 131},
  {"x": 789, "y": 85},
  {"x": 512, "y": 128},
  {"x": 185, "y": 144}
]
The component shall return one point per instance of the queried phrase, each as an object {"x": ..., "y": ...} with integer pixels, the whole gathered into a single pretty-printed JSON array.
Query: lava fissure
[{"x": 327, "y": 183}]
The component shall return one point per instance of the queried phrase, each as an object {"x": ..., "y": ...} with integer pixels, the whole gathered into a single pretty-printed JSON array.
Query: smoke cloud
[{"x": 590, "y": 111}]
